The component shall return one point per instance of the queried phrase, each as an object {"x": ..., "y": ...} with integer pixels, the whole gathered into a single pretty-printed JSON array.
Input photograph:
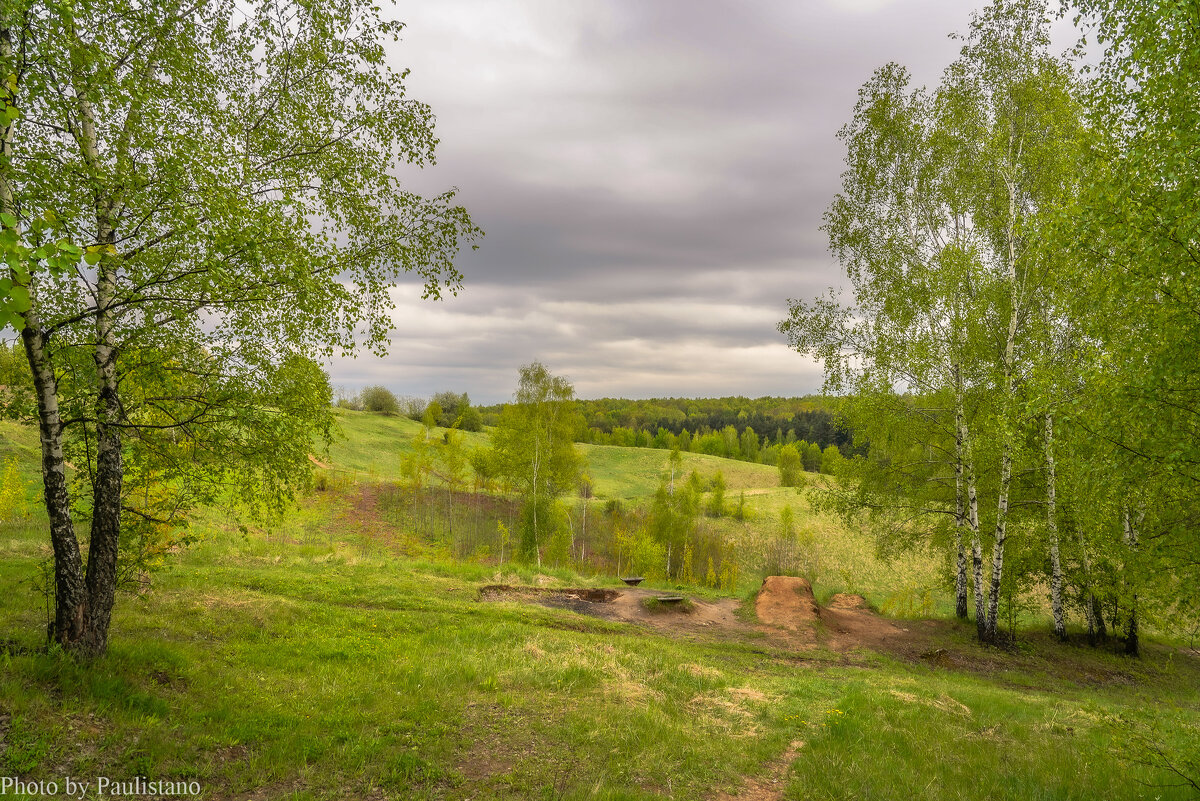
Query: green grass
[
  {"x": 306, "y": 660},
  {"x": 316, "y": 671},
  {"x": 372, "y": 446},
  {"x": 634, "y": 473}
]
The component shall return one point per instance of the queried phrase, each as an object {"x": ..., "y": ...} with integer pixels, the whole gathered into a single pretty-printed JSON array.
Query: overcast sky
[{"x": 651, "y": 176}]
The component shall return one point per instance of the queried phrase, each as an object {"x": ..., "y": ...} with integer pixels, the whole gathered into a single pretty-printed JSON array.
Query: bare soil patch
[
  {"x": 787, "y": 602},
  {"x": 625, "y": 605},
  {"x": 790, "y": 619}
]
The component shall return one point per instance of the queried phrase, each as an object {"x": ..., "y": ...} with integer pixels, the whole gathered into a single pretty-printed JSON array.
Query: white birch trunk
[
  {"x": 1132, "y": 644},
  {"x": 960, "y": 505},
  {"x": 1056, "y": 573},
  {"x": 1006, "y": 456}
]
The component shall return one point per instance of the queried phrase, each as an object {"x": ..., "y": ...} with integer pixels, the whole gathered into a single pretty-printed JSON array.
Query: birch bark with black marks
[
  {"x": 976, "y": 545},
  {"x": 70, "y": 593},
  {"x": 1132, "y": 643},
  {"x": 107, "y": 483},
  {"x": 960, "y": 503},
  {"x": 1009, "y": 388},
  {"x": 1056, "y": 572}
]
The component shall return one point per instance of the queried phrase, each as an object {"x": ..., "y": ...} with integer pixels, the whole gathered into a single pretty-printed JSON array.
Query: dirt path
[
  {"x": 361, "y": 517},
  {"x": 769, "y": 787}
]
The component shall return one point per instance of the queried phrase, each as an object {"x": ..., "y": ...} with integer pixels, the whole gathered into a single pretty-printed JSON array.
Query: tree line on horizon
[{"x": 733, "y": 427}]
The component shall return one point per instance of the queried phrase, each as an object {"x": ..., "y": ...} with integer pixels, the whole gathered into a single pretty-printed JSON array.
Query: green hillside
[
  {"x": 331, "y": 655},
  {"x": 372, "y": 446},
  {"x": 632, "y": 473}
]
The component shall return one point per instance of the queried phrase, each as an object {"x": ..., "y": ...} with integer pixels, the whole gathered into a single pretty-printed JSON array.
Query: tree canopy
[{"x": 197, "y": 200}]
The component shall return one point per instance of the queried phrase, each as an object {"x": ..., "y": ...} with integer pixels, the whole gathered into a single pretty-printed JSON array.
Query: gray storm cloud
[{"x": 651, "y": 178}]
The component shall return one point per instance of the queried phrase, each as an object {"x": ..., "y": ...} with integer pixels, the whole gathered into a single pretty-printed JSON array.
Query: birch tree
[
  {"x": 902, "y": 230},
  {"x": 534, "y": 446},
  {"x": 194, "y": 195},
  {"x": 1135, "y": 280},
  {"x": 939, "y": 229}
]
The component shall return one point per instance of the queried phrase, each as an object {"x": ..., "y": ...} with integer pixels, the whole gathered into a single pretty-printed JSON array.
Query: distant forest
[{"x": 736, "y": 427}]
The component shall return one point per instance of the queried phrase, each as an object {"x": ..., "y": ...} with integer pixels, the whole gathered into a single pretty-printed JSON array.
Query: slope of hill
[{"x": 311, "y": 659}]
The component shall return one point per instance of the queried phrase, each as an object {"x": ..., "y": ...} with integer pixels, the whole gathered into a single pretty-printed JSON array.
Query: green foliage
[
  {"x": 698, "y": 424},
  {"x": 14, "y": 504},
  {"x": 469, "y": 419},
  {"x": 790, "y": 466},
  {"x": 810, "y": 454},
  {"x": 716, "y": 498},
  {"x": 533, "y": 446},
  {"x": 431, "y": 415},
  {"x": 196, "y": 206},
  {"x": 831, "y": 459},
  {"x": 957, "y": 340},
  {"x": 378, "y": 399}
]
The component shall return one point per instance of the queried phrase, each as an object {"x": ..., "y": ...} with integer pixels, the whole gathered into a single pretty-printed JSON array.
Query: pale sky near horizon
[{"x": 651, "y": 178}]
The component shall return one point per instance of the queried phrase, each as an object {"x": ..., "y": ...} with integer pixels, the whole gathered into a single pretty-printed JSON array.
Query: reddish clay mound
[{"x": 786, "y": 602}]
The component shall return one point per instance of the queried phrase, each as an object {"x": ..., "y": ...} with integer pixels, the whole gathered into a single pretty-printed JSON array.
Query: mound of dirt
[
  {"x": 844, "y": 600},
  {"x": 786, "y": 602}
]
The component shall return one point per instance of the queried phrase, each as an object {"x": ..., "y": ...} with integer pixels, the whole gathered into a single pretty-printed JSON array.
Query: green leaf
[
  {"x": 7, "y": 220},
  {"x": 19, "y": 299}
]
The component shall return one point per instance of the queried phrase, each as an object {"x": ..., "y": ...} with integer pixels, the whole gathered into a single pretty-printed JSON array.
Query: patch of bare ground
[
  {"x": 769, "y": 786},
  {"x": 627, "y": 605},
  {"x": 360, "y": 516},
  {"x": 790, "y": 619}
]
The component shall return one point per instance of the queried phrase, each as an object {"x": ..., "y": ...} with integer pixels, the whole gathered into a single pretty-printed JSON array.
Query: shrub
[{"x": 379, "y": 399}]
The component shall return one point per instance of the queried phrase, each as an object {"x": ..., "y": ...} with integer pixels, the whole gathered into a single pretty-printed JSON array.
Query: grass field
[{"x": 309, "y": 661}]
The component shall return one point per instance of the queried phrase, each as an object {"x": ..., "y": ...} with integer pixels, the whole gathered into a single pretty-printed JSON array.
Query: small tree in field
[
  {"x": 534, "y": 447},
  {"x": 831, "y": 458},
  {"x": 791, "y": 469}
]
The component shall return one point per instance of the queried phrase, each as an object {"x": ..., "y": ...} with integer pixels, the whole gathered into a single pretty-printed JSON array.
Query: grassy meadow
[{"x": 332, "y": 655}]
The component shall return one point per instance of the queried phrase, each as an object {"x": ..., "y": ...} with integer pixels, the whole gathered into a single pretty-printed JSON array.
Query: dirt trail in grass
[
  {"x": 769, "y": 787},
  {"x": 629, "y": 606},
  {"x": 362, "y": 517}
]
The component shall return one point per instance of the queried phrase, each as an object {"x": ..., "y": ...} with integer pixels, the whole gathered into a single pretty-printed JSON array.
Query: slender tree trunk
[
  {"x": 976, "y": 552},
  {"x": 1132, "y": 644},
  {"x": 70, "y": 592},
  {"x": 1098, "y": 614},
  {"x": 993, "y": 609},
  {"x": 960, "y": 509},
  {"x": 537, "y": 439},
  {"x": 1006, "y": 455},
  {"x": 450, "y": 515},
  {"x": 1056, "y": 572},
  {"x": 110, "y": 471},
  {"x": 1090, "y": 607}
]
